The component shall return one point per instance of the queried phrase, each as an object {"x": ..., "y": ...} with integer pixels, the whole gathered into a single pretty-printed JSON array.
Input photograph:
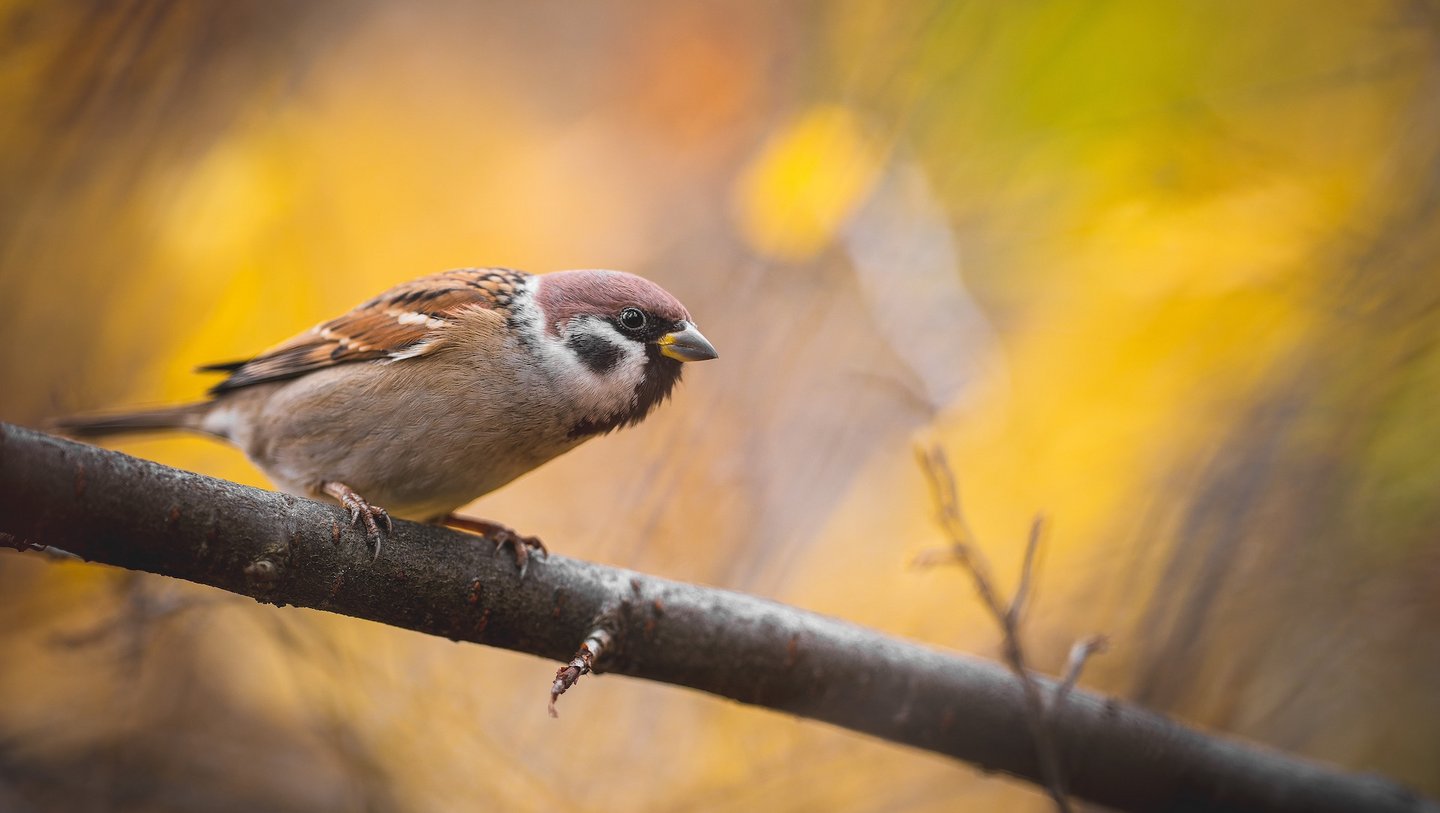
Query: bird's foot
[
  {"x": 361, "y": 512},
  {"x": 501, "y": 535}
]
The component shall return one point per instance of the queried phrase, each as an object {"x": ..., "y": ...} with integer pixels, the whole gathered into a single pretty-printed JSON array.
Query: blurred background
[{"x": 1167, "y": 272}]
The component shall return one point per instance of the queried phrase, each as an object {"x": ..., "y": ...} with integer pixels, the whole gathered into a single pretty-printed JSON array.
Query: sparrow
[{"x": 442, "y": 389}]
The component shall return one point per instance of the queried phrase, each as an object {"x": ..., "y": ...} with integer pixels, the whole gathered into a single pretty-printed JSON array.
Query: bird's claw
[
  {"x": 522, "y": 545},
  {"x": 501, "y": 535},
  {"x": 363, "y": 514}
]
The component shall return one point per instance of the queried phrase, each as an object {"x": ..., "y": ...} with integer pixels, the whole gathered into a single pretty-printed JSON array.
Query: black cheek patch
[{"x": 598, "y": 354}]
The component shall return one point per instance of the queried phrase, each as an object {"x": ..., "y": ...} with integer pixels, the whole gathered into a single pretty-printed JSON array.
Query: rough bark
[{"x": 131, "y": 513}]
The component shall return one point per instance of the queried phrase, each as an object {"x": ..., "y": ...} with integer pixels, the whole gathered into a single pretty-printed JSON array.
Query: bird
[{"x": 442, "y": 389}]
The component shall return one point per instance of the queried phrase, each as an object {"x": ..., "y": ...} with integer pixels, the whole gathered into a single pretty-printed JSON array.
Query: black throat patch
[{"x": 662, "y": 373}]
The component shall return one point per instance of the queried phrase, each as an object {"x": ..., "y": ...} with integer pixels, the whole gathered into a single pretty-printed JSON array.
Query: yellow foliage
[{"x": 806, "y": 180}]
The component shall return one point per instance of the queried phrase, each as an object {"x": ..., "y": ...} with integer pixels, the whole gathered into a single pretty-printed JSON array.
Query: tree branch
[{"x": 116, "y": 509}]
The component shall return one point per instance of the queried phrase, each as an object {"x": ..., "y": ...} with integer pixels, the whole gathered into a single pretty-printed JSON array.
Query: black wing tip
[
  {"x": 231, "y": 369},
  {"x": 222, "y": 367}
]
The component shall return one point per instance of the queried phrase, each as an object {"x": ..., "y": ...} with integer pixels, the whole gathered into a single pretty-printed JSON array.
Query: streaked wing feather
[{"x": 407, "y": 321}]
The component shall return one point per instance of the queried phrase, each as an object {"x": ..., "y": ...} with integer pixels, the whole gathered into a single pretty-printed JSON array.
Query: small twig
[
  {"x": 25, "y": 545},
  {"x": 962, "y": 550},
  {"x": 1027, "y": 567},
  {"x": 13, "y": 541},
  {"x": 582, "y": 664},
  {"x": 1080, "y": 653},
  {"x": 936, "y": 466}
]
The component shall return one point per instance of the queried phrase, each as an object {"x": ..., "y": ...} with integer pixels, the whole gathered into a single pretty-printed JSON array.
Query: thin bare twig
[
  {"x": 1027, "y": 567},
  {"x": 1080, "y": 653},
  {"x": 24, "y": 545},
  {"x": 962, "y": 550}
]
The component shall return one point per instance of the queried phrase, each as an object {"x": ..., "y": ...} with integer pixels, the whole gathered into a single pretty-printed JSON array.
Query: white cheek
[
  {"x": 615, "y": 387},
  {"x": 592, "y": 395}
]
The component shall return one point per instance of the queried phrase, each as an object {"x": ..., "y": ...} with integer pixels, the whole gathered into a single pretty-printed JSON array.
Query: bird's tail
[{"x": 189, "y": 416}]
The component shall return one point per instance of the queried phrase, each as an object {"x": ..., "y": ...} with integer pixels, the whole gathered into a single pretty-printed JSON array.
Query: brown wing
[{"x": 406, "y": 321}]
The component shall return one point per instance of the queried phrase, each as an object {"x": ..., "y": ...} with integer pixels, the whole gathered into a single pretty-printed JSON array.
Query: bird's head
[{"x": 627, "y": 336}]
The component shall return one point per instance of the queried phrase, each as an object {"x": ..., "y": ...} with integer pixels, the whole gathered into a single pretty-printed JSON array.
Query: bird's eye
[{"x": 632, "y": 318}]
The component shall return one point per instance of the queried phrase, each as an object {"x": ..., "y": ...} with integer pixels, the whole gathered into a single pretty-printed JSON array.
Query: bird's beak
[{"x": 687, "y": 344}]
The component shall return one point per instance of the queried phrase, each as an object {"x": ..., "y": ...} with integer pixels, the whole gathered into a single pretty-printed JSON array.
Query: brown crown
[{"x": 566, "y": 294}]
